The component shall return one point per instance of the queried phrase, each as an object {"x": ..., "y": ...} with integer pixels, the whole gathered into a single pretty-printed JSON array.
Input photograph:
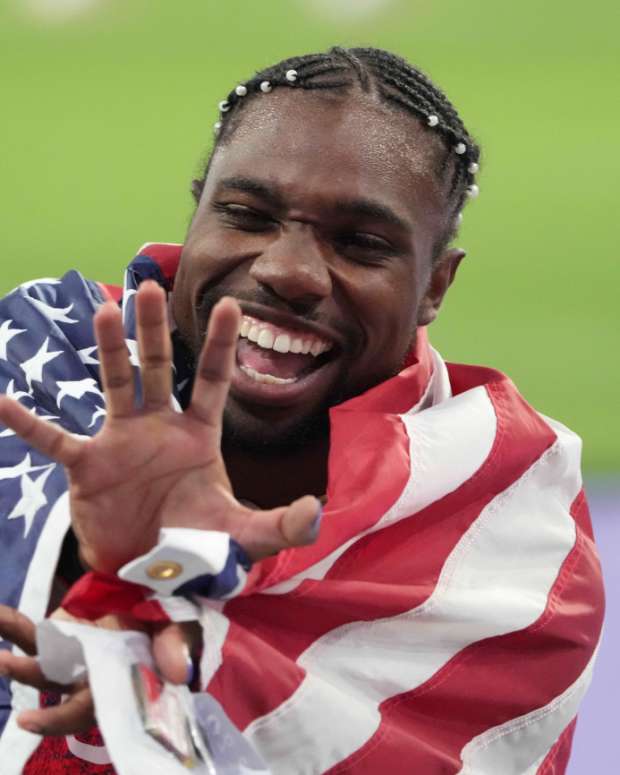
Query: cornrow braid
[{"x": 394, "y": 81}]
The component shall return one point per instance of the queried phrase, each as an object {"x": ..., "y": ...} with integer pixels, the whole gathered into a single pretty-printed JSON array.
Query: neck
[{"x": 276, "y": 480}]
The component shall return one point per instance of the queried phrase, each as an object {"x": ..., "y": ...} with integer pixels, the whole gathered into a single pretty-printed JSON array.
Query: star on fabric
[
  {"x": 77, "y": 388},
  {"x": 33, "y": 367},
  {"x": 16, "y": 394},
  {"x": 34, "y": 283},
  {"x": 56, "y": 314},
  {"x": 32, "y": 498},
  {"x": 86, "y": 356},
  {"x": 99, "y": 412},
  {"x": 132, "y": 346},
  {"x": 41, "y": 281},
  {"x": 24, "y": 467},
  {"x": 6, "y": 334}
]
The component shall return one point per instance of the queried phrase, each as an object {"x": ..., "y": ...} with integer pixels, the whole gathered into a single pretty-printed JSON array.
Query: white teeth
[
  {"x": 264, "y": 337},
  {"x": 282, "y": 343},
  {"x": 266, "y": 378}
]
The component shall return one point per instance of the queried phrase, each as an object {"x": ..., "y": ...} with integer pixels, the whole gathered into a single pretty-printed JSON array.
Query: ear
[
  {"x": 197, "y": 187},
  {"x": 442, "y": 275}
]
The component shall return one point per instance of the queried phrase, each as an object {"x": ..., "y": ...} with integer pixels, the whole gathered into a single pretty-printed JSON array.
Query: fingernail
[
  {"x": 189, "y": 674},
  {"x": 315, "y": 526}
]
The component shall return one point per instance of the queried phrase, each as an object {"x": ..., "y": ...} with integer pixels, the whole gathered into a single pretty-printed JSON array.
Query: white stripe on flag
[
  {"x": 17, "y": 745},
  {"x": 440, "y": 387},
  {"x": 495, "y": 581},
  {"x": 94, "y": 754},
  {"x": 215, "y": 629},
  {"x": 447, "y": 445},
  {"x": 519, "y": 746}
]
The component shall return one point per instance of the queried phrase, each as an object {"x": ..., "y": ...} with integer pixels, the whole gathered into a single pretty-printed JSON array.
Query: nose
[{"x": 294, "y": 266}]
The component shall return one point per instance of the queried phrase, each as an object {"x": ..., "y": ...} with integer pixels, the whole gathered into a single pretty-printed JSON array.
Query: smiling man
[{"x": 445, "y": 616}]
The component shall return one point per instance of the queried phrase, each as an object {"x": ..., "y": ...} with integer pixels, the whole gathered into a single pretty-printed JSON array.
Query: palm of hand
[{"x": 161, "y": 469}]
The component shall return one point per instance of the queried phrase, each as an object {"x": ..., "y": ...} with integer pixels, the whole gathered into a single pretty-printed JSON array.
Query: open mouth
[{"x": 276, "y": 362}]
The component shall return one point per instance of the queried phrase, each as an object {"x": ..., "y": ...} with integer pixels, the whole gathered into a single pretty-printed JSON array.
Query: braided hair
[{"x": 393, "y": 81}]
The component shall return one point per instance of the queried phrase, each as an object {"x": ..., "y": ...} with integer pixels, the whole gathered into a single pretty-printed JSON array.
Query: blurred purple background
[{"x": 594, "y": 747}]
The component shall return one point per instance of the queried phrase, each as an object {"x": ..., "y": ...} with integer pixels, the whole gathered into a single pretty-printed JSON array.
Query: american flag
[{"x": 447, "y": 618}]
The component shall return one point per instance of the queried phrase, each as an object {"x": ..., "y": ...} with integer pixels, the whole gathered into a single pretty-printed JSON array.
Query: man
[{"x": 445, "y": 616}]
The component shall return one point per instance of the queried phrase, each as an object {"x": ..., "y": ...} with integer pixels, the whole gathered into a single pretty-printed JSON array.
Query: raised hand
[{"x": 152, "y": 467}]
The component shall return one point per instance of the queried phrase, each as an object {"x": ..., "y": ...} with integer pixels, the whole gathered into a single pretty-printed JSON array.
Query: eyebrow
[
  {"x": 252, "y": 186},
  {"x": 358, "y": 207},
  {"x": 369, "y": 208}
]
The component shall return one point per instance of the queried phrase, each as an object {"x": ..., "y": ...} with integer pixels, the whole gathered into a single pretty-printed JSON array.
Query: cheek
[{"x": 387, "y": 303}]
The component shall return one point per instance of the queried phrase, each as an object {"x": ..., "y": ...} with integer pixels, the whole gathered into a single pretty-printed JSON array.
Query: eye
[
  {"x": 242, "y": 217},
  {"x": 365, "y": 247}
]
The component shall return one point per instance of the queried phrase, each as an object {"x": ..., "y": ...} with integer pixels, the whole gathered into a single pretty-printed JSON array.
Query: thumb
[
  {"x": 174, "y": 647},
  {"x": 267, "y": 532},
  {"x": 301, "y": 521}
]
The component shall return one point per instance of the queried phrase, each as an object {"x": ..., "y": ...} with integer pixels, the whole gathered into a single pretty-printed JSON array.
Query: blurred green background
[{"x": 107, "y": 108}]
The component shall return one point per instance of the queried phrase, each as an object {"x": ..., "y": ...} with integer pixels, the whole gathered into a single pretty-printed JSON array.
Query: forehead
[{"x": 329, "y": 146}]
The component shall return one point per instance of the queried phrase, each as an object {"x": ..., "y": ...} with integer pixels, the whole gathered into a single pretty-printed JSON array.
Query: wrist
[{"x": 187, "y": 562}]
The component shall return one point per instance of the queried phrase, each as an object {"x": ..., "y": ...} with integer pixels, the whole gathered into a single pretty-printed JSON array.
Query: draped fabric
[{"x": 447, "y": 618}]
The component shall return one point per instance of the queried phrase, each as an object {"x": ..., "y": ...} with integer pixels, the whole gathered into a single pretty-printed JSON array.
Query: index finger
[
  {"x": 17, "y": 629},
  {"x": 73, "y": 716},
  {"x": 51, "y": 440},
  {"x": 216, "y": 363}
]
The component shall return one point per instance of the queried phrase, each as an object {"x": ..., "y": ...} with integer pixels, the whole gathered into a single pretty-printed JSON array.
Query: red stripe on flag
[
  {"x": 256, "y": 678},
  {"x": 431, "y": 534},
  {"x": 557, "y": 759},
  {"x": 111, "y": 292},
  {"x": 581, "y": 514},
  {"x": 492, "y": 681}
]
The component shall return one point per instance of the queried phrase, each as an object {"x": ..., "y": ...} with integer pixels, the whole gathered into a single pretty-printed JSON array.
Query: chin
[{"x": 269, "y": 432}]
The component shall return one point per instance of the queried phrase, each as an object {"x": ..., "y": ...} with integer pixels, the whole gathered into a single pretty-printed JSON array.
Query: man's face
[{"x": 319, "y": 215}]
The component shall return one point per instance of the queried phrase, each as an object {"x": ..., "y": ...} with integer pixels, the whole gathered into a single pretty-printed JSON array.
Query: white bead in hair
[
  {"x": 291, "y": 76},
  {"x": 473, "y": 191},
  {"x": 459, "y": 219},
  {"x": 217, "y": 126},
  {"x": 241, "y": 90},
  {"x": 473, "y": 168},
  {"x": 460, "y": 148},
  {"x": 265, "y": 87},
  {"x": 432, "y": 120},
  {"x": 223, "y": 106}
]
